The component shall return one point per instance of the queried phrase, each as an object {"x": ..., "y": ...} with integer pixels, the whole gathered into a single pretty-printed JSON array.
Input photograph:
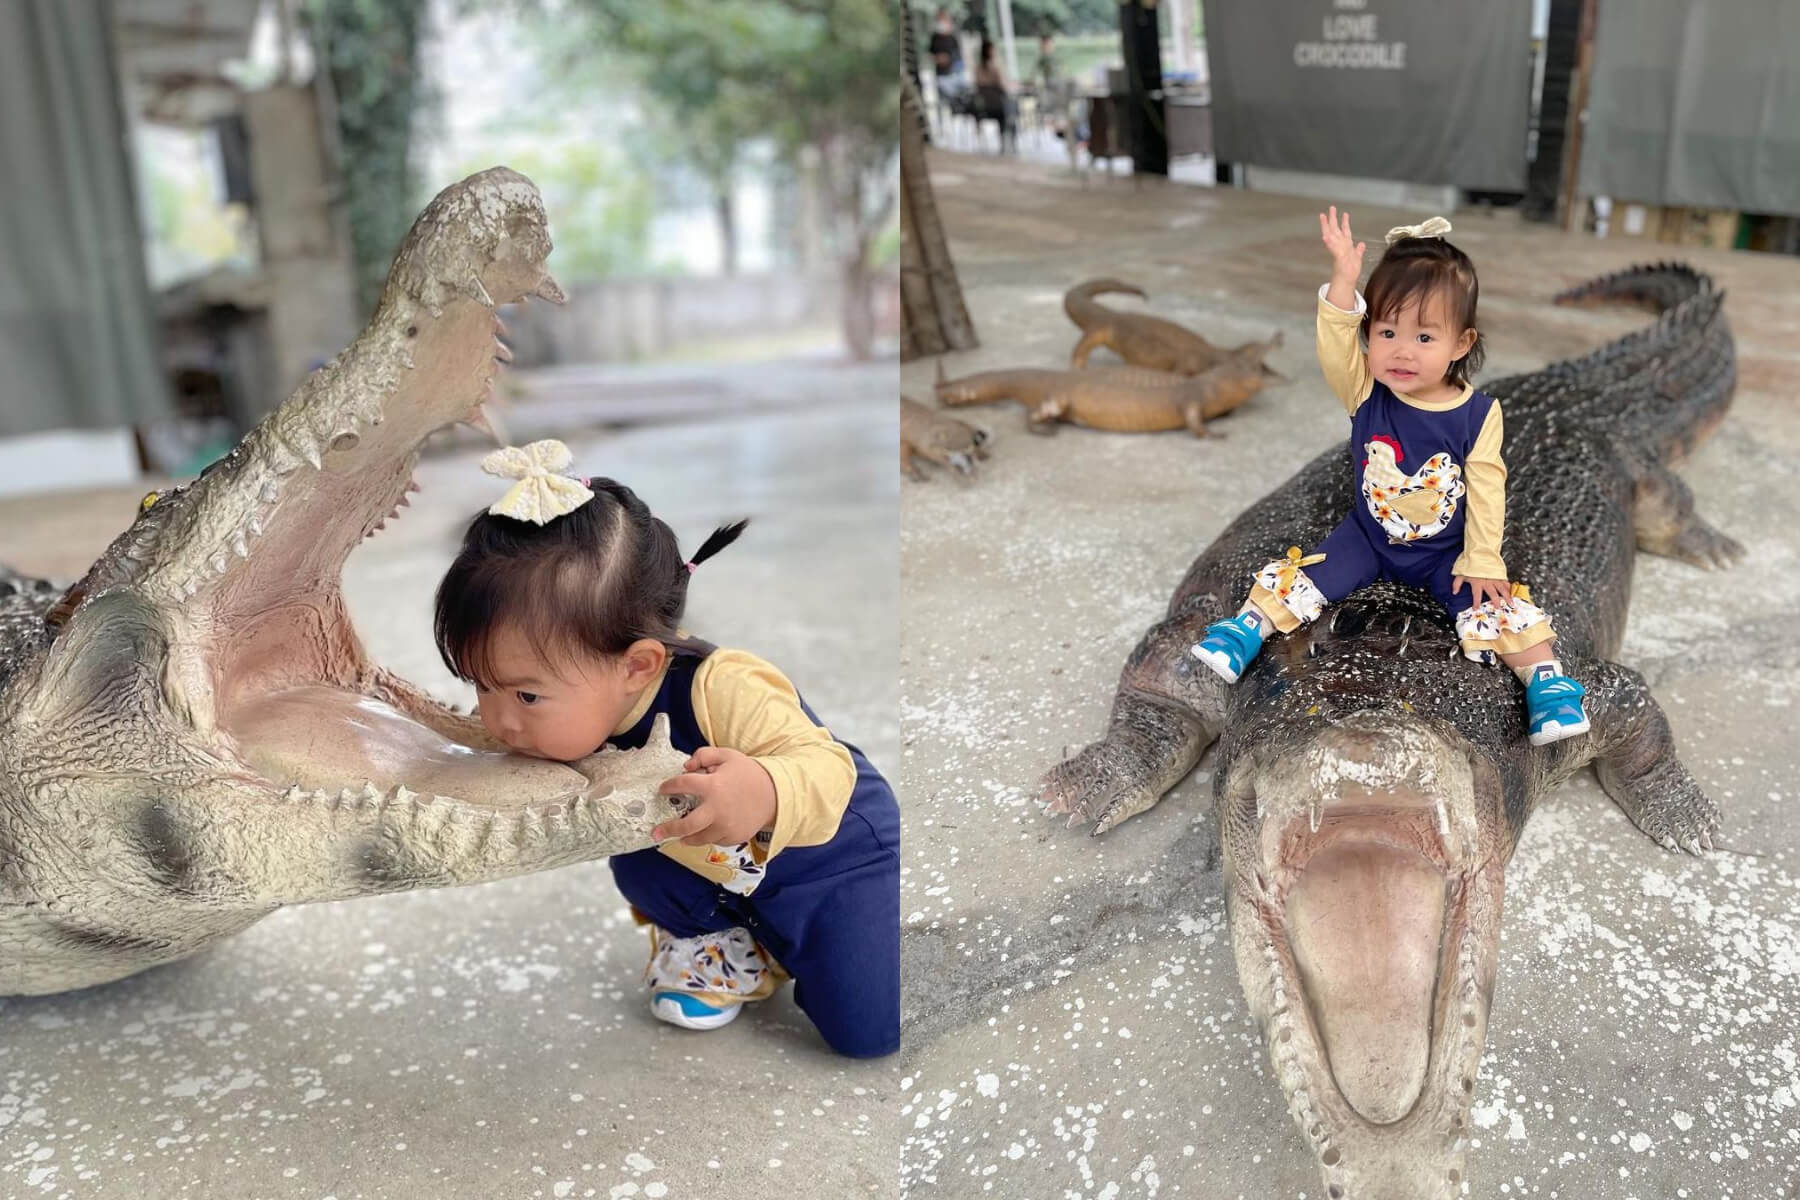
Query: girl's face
[
  {"x": 565, "y": 708},
  {"x": 1412, "y": 351}
]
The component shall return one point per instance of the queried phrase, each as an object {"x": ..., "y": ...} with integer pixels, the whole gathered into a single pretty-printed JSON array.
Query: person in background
[{"x": 993, "y": 102}]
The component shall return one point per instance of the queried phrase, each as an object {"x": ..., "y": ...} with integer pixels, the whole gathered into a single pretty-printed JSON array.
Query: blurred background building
[
  {"x": 202, "y": 197},
  {"x": 1669, "y": 120}
]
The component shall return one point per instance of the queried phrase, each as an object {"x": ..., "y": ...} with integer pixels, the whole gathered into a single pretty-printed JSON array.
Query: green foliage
[
  {"x": 795, "y": 71},
  {"x": 602, "y": 206},
  {"x": 1030, "y": 17},
  {"x": 370, "y": 48}
]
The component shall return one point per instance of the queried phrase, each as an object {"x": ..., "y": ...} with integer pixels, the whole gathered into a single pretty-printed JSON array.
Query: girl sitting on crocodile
[{"x": 1439, "y": 527}]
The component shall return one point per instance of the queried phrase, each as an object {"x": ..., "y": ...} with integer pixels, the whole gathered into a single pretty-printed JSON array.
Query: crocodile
[
  {"x": 937, "y": 437},
  {"x": 1120, "y": 399},
  {"x": 1363, "y": 767},
  {"x": 192, "y": 735},
  {"x": 1139, "y": 338}
]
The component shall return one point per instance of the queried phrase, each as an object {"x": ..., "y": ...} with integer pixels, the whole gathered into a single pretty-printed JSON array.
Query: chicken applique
[{"x": 1409, "y": 507}]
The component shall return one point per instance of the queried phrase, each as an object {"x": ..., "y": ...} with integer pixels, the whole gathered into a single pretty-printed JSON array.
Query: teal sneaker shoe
[
  {"x": 1553, "y": 709},
  {"x": 1230, "y": 646},
  {"x": 691, "y": 1012}
]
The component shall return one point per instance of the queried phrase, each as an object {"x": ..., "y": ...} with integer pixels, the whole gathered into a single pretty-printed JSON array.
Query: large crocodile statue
[
  {"x": 1371, "y": 785},
  {"x": 193, "y": 736},
  {"x": 1140, "y": 339},
  {"x": 1120, "y": 399}
]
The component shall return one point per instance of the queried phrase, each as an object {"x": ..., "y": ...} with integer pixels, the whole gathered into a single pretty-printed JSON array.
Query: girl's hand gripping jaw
[
  {"x": 1346, "y": 258},
  {"x": 736, "y": 799}
]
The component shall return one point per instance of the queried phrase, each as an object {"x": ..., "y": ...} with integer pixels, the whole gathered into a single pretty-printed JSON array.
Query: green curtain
[{"x": 77, "y": 334}]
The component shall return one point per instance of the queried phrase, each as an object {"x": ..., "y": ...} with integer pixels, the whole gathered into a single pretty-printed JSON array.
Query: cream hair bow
[
  {"x": 544, "y": 492},
  {"x": 1435, "y": 227}
]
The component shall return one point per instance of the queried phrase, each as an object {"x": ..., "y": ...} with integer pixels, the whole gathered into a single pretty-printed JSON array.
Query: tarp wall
[
  {"x": 76, "y": 331},
  {"x": 1425, "y": 91},
  {"x": 1695, "y": 103}
]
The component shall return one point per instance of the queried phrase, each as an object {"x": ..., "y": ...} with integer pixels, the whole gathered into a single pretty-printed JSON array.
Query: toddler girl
[
  {"x": 563, "y": 608},
  {"x": 1431, "y": 482}
]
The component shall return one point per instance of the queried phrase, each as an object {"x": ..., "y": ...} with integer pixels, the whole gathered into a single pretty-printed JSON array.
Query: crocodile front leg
[{"x": 1169, "y": 708}]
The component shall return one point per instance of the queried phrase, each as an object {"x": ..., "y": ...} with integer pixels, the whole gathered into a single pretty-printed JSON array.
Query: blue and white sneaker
[
  {"x": 1553, "y": 708},
  {"x": 690, "y": 1011},
  {"x": 1229, "y": 646}
]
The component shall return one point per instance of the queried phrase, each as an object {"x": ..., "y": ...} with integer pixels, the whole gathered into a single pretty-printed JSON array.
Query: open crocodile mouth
[
  {"x": 244, "y": 566},
  {"x": 1366, "y": 933}
]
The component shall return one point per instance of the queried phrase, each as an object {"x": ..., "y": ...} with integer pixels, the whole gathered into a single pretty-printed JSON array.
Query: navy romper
[
  {"x": 1361, "y": 550},
  {"x": 829, "y": 914}
]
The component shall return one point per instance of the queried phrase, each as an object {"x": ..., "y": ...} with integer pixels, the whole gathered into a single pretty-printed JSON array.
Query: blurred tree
[
  {"x": 371, "y": 50},
  {"x": 1030, "y": 17},
  {"x": 816, "y": 77},
  {"x": 933, "y": 318},
  {"x": 603, "y": 206}
]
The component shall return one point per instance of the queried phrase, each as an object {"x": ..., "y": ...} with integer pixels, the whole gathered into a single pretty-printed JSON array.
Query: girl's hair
[
  {"x": 594, "y": 580},
  {"x": 1413, "y": 271},
  {"x": 987, "y": 51}
]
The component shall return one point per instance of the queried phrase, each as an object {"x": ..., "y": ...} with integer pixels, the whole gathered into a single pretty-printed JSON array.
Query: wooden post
[
  {"x": 933, "y": 318},
  {"x": 1566, "y": 206}
]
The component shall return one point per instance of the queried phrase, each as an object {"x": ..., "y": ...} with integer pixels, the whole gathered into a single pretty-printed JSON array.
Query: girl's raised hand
[{"x": 1346, "y": 251}]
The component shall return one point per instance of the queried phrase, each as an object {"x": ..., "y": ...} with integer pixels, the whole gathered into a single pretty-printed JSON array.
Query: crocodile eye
[{"x": 149, "y": 499}]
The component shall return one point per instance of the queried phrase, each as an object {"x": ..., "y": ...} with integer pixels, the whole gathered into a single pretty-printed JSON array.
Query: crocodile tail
[
  {"x": 1663, "y": 387},
  {"x": 1687, "y": 304},
  {"x": 1079, "y": 302},
  {"x": 1658, "y": 287}
]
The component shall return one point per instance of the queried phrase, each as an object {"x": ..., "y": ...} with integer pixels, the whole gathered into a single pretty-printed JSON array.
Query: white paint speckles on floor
[
  {"x": 1080, "y": 1028},
  {"x": 495, "y": 1041}
]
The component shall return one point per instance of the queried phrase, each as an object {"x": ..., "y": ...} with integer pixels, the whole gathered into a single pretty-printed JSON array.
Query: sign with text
[{"x": 1424, "y": 91}]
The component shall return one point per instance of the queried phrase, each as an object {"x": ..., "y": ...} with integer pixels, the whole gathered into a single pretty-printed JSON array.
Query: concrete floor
[
  {"x": 495, "y": 1041},
  {"x": 1076, "y": 1024}
]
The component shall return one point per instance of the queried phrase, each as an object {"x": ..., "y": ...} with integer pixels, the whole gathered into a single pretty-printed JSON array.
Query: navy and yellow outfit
[
  {"x": 819, "y": 892},
  {"x": 1431, "y": 504}
]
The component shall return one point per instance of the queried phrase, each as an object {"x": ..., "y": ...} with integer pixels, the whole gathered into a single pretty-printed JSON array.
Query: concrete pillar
[
  {"x": 1181, "y": 32},
  {"x": 312, "y": 298}
]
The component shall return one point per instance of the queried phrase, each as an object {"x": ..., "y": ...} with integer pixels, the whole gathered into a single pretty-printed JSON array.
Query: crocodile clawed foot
[{"x": 1097, "y": 786}]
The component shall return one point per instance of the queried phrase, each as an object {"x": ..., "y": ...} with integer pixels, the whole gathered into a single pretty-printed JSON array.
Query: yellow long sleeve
[
  {"x": 1341, "y": 355},
  {"x": 1484, "y": 507},
  {"x": 744, "y": 703}
]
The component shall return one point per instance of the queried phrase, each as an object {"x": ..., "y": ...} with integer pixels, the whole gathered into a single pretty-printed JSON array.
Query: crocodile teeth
[
  {"x": 239, "y": 546},
  {"x": 256, "y": 524},
  {"x": 488, "y": 421},
  {"x": 189, "y": 588},
  {"x": 271, "y": 492},
  {"x": 220, "y": 564},
  {"x": 1314, "y": 813},
  {"x": 547, "y": 289},
  {"x": 1443, "y": 820},
  {"x": 479, "y": 292},
  {"x": 282, "y": 459}
]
